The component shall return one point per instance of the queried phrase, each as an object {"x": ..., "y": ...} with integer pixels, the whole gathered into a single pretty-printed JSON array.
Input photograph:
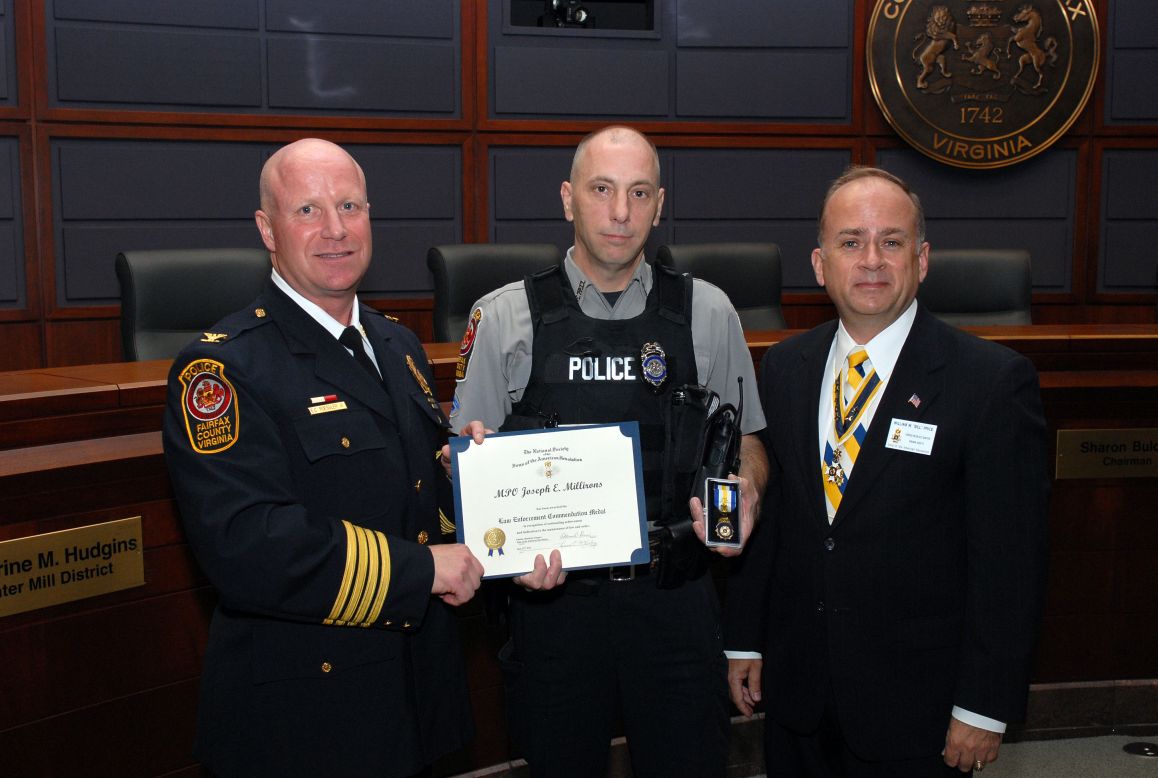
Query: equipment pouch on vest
[
  {"x": 703, "y": 441},
  {"x": 681, "y": 555},
  {"x": 721, "y": 454}
]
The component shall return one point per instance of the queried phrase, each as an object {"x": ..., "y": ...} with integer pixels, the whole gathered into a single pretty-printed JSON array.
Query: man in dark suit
[
  {"x": 302, "y": 439},
  {"x": 886, "y": 608}
]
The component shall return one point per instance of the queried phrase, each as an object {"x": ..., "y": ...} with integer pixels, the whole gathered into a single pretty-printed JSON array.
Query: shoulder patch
[
  {"x": 467, "y": 346},
  {"x": 209, "y": 405}
]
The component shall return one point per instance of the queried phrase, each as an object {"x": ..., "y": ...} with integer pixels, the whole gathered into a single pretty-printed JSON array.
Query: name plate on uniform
[
  {"x": 1121, "y": 453},
  {"x": 72, "y": 564},
  {"x": 575, "y": 489}
]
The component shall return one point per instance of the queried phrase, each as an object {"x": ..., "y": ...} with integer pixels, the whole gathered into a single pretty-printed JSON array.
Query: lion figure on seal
[
  {"x": 940, "y": 30},
  {"x": 984, "y": 55}
]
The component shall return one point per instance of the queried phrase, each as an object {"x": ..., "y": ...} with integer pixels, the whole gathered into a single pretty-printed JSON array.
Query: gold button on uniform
[
  {"x": 423, "y": 537},
  {"x": 388, "y": 623},
  {"x": 406, "y": 625},
  {"x": 345, "y": 442},
  {"x": 259, "y": 313},
  {"x": 327, "y": 667}
]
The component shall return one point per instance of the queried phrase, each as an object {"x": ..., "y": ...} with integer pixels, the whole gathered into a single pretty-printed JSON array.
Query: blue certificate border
[{"x": 629, "y": 429}]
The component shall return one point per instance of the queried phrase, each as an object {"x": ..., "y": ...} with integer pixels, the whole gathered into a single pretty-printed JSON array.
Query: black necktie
[{"x": 352, "y": 339}]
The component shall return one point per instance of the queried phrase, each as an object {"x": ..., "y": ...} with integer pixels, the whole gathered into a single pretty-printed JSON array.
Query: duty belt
[{"x": 621, "y": 573}]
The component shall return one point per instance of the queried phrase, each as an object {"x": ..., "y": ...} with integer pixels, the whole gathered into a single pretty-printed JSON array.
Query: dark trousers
[
  {"x": 825, "y": 754},
  {"x": 656, "y": 652}
]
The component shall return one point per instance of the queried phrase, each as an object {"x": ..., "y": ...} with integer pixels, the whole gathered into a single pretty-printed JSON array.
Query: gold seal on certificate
[
  {"x": 494, "y": 539},
  {"x": 575, "y": 489}
]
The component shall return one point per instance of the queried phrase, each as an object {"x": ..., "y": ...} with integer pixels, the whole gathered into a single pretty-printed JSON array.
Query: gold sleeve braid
[
  {"x": 365, "y": 580},
  {"x": 445, "y": 524}
]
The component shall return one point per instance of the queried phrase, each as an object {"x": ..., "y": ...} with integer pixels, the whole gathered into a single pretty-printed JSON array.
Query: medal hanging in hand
[{"x": 721, "y": 504}]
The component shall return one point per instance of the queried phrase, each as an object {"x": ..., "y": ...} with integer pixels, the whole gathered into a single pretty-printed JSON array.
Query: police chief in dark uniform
[
  {"x": 308, "y": 479},
  {"x": 607, "y": 337}
]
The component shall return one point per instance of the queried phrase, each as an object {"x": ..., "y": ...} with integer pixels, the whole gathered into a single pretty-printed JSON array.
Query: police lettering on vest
[{"x": 601, "y": 369}]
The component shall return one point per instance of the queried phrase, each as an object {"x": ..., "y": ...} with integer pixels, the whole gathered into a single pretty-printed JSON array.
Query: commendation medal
[
  {"x": 722, "y": 500},
  {"x": 653, "y": 360},
  {"x": 494, "y": 539}
]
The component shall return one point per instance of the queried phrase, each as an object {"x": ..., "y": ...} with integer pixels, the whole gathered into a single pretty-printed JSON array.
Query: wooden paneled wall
[{"x": 130, "y": 125}]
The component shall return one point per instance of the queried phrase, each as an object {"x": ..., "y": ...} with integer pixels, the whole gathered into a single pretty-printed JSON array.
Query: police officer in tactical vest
[{"x": 607, "y": 337}]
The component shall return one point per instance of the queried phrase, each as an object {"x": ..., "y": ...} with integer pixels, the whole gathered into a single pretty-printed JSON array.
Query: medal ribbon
[
  {"x": 723, "y": 498},
  {"x": 851, "y": 398}
]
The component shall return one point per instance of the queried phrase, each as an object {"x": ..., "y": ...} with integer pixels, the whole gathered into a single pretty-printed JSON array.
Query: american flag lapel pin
[{"x": 915, "y": 401}]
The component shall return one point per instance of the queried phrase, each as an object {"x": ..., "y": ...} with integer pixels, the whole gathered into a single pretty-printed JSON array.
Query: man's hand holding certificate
[{"x": 576, "y": 489}]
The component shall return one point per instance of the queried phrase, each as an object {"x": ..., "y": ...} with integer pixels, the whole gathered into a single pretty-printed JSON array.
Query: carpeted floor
[
  {"x": 1086, "y": 757},
  {"x": 1082, "y": 757}
]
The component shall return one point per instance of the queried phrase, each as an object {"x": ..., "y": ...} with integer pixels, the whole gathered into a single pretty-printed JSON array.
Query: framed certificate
[{"x": 575, "y": 489}]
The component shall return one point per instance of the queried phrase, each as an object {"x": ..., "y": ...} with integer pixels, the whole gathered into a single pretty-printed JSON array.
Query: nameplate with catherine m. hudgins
[{"x": 982, "y": 83}]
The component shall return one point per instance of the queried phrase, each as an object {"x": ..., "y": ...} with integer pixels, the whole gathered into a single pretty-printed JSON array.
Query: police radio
[
  {"x": 721, "y": 442},
  {"x": 720, "y": 496},
  {"x": 702, "y": 444}
]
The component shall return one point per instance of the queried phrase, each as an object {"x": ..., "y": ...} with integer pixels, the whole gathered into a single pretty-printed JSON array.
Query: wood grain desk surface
[{"x": 56, "y": 404}]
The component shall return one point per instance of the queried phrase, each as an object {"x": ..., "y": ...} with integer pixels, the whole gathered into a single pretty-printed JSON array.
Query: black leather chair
[
  {"x": 749, "y": 273},
  {"x": 974, "y": 287},
  {"x": 169, "y": 297},
  {"x": 464, "y": 272}
]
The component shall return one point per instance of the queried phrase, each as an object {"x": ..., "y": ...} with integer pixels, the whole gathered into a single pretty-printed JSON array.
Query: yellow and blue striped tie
[{"x": 853, "y": 391}]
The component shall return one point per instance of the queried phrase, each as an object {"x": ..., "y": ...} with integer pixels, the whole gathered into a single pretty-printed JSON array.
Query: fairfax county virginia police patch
[
  {"x": 467, "y": 345},
  {"x": 209, "y": 405}
]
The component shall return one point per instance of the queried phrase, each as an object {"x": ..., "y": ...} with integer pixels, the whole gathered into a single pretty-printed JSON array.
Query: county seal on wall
[{"x": 982, "y": 83}]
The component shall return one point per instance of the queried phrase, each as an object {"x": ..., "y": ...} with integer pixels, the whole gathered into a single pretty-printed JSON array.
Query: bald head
[
  {"x": 613, "y": 199},
  {"x": 315, "y": 221},
  {"x": 614, "y": 136},
  {"x": 304, "y": 152},
  {"x": 860, "y": 173}
]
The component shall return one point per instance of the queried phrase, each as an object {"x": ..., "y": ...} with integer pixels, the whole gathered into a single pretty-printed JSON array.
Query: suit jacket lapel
[
  {"x": 804, "y": 397},
  {"x": 406, "y": 391},
  {"x": 920, "y": 371}
]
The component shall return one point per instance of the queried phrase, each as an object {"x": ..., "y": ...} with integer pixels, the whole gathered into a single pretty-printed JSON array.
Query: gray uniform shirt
[{"x": 499, "y": 358}]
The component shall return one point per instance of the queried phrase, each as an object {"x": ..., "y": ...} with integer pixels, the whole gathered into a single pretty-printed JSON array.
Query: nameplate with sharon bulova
[
  {"x": 982, "y": 83},
  {"x": 1107, "y": 453}
]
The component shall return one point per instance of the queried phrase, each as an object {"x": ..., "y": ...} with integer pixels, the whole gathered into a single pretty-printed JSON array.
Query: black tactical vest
[{"x": 591, "y": 371}]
